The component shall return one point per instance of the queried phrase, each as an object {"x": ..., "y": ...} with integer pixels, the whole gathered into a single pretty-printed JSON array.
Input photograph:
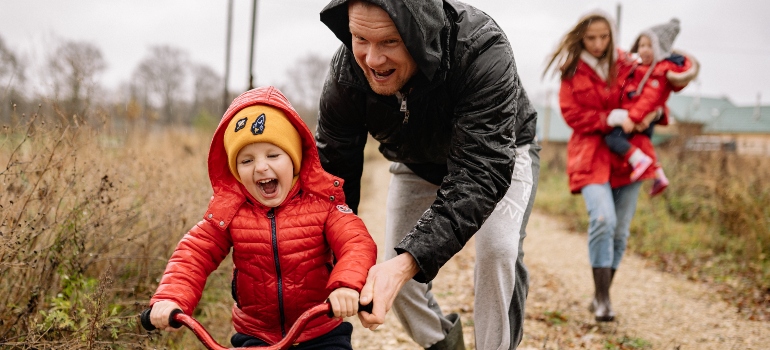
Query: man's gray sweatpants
[{"x": 501, "y": 282}]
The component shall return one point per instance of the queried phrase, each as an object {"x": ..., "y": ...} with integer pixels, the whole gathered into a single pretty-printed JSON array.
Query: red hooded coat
[
  {"x": 586, "y": 100},
  {"x": 284, "y": 257}
]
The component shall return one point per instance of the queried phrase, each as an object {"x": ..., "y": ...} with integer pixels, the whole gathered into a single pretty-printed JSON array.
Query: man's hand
[
  {"x": 160, "y": 312},
  {"x": 382, "y": 285},
  {"x": 344, "y": 302}
]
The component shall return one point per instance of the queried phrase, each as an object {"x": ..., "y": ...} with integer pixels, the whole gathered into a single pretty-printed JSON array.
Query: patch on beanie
[
  {"x": 240, "y": 124},
  {"x": 259, "y": 125}
]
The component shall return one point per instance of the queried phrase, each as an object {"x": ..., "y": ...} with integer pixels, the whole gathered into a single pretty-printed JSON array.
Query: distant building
[
  {"x": 698, "y": 123},
  {"x": 711, "y": 124}
]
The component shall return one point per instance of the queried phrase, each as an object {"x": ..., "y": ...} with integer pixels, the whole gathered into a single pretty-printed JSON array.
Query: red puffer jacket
[
  {"x": 655, "y": 93},
  {"x": 586, "y": 100},
  {"x": 284, "y": 256},
  {"x": 656, "y": 90}
]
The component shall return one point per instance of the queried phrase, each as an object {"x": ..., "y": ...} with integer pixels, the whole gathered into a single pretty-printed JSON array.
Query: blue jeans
[{"x": 609, "y": 212}]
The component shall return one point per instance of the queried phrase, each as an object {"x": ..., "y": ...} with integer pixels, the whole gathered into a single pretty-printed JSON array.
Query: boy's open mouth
[{"x": 268, "y": 186}]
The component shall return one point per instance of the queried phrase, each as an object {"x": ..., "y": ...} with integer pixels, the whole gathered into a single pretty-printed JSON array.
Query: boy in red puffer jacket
[
  {"x": 295, "y": 243},
  {"x": 660, "y": 71}
]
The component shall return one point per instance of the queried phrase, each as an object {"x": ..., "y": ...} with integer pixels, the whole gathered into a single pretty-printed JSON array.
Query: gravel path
[{"x": 655, "y": 310}]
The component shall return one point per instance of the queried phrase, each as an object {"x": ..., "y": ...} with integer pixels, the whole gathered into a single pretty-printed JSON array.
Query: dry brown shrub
[{"x": 88, "y": 218}]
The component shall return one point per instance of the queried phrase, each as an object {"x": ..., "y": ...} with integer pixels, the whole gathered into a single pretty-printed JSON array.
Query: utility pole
[
  {"x": 253, "y": 38},
  {"x": 617, "y": 22},
  {"x": 547, "y": 119},
  {"x": 226, "y": 96}
]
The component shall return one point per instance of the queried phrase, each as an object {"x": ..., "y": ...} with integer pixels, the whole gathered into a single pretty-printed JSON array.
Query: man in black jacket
[{"x": 436, "y": 84}]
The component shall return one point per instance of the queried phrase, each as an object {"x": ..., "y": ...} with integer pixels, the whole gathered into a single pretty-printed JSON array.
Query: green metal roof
[
  {"x": 695, "y": 109},
  {"x": 740, "y": 120},
  {"x": 718, "y": 115}
]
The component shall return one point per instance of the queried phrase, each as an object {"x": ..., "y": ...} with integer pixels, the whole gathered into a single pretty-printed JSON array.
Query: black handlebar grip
[
  {"x": 145, "y": 319},
  {"x": 367, "y": 308},
  {"x": 172, "y": 322}
]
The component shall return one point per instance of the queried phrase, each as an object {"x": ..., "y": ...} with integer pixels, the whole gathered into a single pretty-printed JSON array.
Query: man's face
[{"x": 379, "y": 50}]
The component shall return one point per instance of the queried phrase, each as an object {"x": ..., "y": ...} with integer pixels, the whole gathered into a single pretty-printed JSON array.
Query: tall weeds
[
  {"x": 88, "y": 218},
  {"x": 711, "y": 224}
]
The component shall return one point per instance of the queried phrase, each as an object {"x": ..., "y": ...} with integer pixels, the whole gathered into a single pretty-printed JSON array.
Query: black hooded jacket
[{"x": 466, "y": 108}]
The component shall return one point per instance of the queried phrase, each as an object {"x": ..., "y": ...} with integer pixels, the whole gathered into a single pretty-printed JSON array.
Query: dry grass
[
  {"x": 89, "y": 215},
  {"x": 88, "y": 218},
  {"x": 712, "y": 224}
]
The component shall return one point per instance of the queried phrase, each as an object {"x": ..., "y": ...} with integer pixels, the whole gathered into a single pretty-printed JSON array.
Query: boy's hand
[
  {"x": 160, "y": 312},
  {"x": 344, "y": 302}
]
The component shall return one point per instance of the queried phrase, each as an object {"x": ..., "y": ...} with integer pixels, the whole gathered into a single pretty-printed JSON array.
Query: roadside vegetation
[
  {"x": 89, "y": 214},
  {"x": 711, "y": 225}
]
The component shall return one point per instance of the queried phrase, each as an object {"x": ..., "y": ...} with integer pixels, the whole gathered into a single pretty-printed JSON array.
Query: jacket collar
[{"x": 600, "y": 67}]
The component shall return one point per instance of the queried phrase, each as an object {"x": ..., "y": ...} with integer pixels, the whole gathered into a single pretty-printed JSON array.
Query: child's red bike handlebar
[{"x": 177, "y": 319}]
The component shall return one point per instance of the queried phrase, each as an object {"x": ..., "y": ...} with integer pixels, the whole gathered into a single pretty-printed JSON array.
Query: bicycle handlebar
[{"x": 177, "y": 319}]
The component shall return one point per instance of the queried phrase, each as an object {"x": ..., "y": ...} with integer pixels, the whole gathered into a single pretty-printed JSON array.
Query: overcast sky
[{"x": 731, "y": 39}]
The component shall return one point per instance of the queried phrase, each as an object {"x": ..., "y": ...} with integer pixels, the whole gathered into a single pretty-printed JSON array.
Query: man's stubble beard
[{"x": 385, "y": 90}]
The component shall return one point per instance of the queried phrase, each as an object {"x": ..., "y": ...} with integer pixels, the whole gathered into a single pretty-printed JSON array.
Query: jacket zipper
[
  {"x": 274, "y": 237},
  {"x": 404, "y": 109},
  {"x": 235, "y": 288}
]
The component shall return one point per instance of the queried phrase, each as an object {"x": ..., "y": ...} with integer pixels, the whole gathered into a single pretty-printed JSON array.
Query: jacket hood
[
  {"x": 312, "y": 177},
  {"x": 662, "y": 37},
  {"x": 418, "y": 22}
]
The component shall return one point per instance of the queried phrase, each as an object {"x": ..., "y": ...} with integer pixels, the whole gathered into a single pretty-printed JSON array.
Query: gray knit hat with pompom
[{"x": 662, "y": 37}]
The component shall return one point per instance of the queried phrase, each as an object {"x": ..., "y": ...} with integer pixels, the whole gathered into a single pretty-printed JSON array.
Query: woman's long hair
[{"x": 567, "y": 54}]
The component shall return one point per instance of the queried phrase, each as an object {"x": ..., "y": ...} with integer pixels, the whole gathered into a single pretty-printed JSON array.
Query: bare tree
[
  {"x": 207, "y": 85},
  {"x": 74, "y": 66},
  {"x": 11, "y": 80},
  {"x": 306, "y": 79},
  {"x": 163, "y": 73},
  {"x": 11, "y": 70}
]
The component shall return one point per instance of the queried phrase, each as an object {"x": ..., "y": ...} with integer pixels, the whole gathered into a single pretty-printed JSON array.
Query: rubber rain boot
[
  {"x": 603, "y": 307},
  {"x": 453, "y": 339},
  {"x": 592, "y": 305}
]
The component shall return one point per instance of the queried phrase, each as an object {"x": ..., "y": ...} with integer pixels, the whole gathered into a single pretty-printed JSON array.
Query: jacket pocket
[
  {"x": 234, "y": 288},
  {"x": 580, "y": 155}
]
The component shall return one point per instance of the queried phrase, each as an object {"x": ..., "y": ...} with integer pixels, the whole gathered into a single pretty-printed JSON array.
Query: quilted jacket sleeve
[
  {"x": 481, "y": 156},
  {"x": 353, "y": 247},
  {"x": 198, "y": 254},
  {"x": 648, "y": 100}
]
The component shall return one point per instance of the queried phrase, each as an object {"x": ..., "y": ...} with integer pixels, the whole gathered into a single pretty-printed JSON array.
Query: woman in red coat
[
  {"x": 295, "y": 243},
  {"x": 593, "y": 74}
]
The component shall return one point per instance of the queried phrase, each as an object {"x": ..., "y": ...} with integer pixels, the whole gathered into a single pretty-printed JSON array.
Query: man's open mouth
[{"x": 382, "y": 74}]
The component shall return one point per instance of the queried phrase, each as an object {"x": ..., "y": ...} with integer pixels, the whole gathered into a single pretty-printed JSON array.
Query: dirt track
[{"x": 655, "y": 310}]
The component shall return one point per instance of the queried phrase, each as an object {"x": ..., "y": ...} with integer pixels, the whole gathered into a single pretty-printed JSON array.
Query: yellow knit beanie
[{"x": 262, "y": 123}]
